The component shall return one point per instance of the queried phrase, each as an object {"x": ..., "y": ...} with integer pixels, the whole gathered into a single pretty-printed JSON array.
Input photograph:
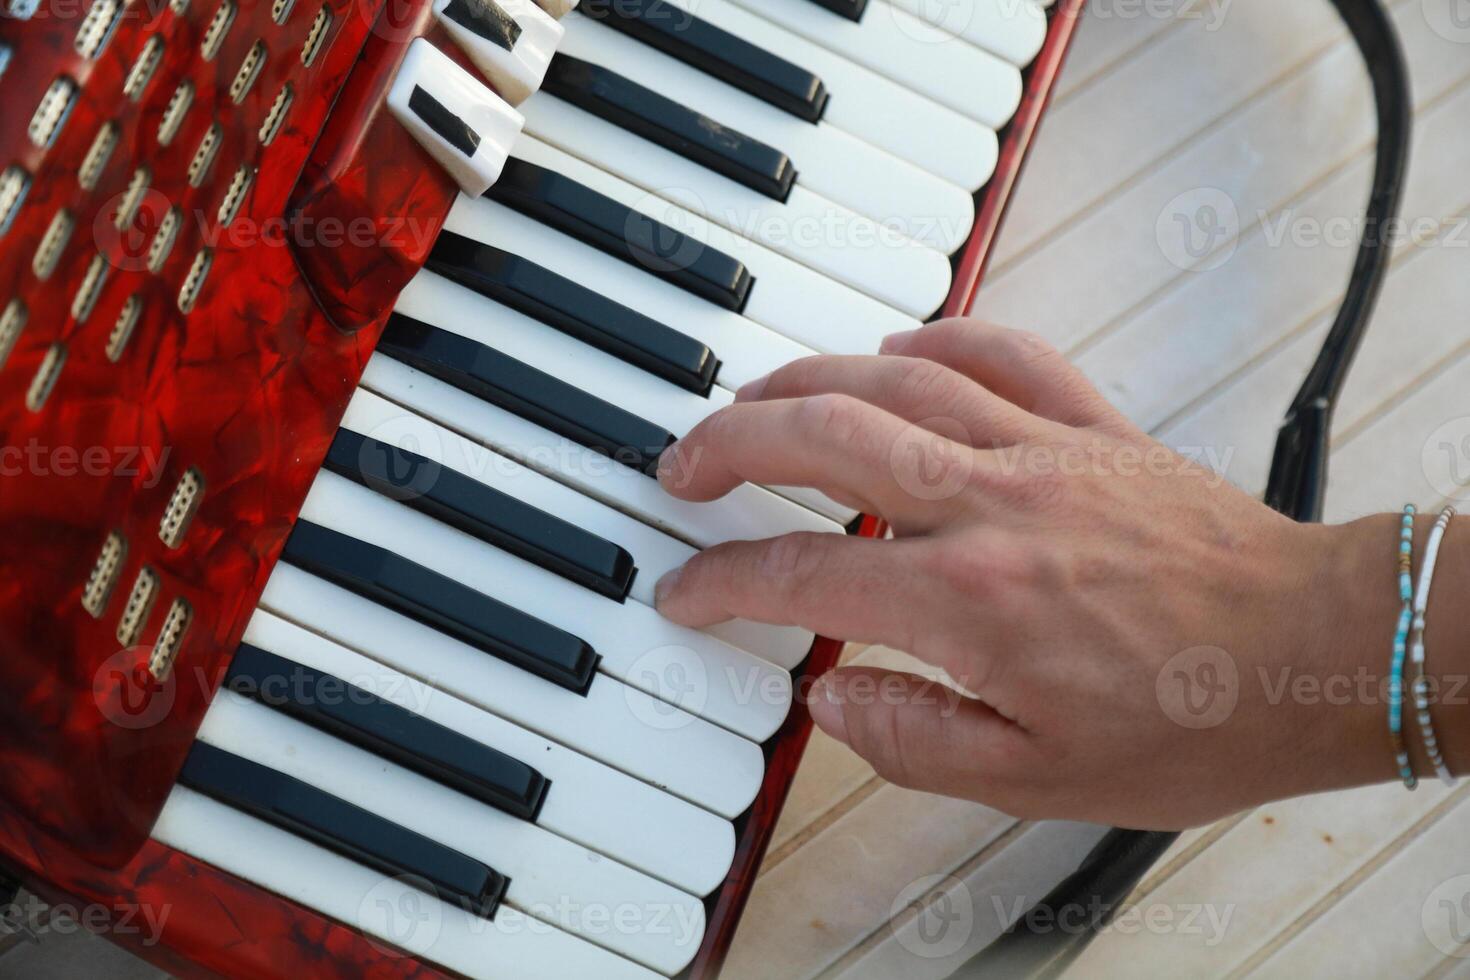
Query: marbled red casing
[{"x": 248, "y": 389}]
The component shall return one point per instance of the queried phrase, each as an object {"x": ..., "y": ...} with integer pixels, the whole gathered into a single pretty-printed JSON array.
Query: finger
[
  {"x": 1018, "y": 366},
  {"x": 854, "y": 589},
  {"x": 924, "y": 735},
  {"x": 921, "y": 391},
  {"x": 846, "y": 448}
]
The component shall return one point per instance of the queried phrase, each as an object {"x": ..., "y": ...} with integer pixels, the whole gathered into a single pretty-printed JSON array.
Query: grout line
[
  {"x": 1441, "y": 367},
  {"x": 818, "y": 824},
  {"x": 961, "y": 871},
  {"x": 1352, "y": 881},
  {"x": 1076, "y": 86}
]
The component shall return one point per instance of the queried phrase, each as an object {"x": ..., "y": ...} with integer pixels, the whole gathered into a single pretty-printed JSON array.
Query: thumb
[{"x": 919, "y": 733}]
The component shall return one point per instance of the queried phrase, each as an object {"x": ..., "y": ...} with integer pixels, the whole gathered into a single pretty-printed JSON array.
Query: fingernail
[
  {"x": 665, "y": 585},
  {"x": 895, "y": 342},
  {"x": 668, "y": 461},
  {"x": 751, "y": 390},
  {"x": 826, "y": 707}
]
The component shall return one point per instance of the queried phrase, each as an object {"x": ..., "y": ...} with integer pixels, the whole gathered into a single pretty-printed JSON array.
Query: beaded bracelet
[
  {"x": 1400, "y": 647},
  {"x": 1421, "y": 681}
]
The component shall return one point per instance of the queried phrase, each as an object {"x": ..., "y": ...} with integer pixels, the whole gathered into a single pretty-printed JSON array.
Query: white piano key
[
  {"x": 746, "y": 512},
  {"x": 464, "y": 126},
  {"x": 438, "y": 302},
  {"x": 613, "y": 723},
  {"x": 685, "y": 667},
  {"x": 746, "y": 350},
  {"x": 387, "y": 909},
  {"x": 510, "y": 41},
  {"x": 829, "y": 161},
  {"x": 832, "y": 239},
  {"x": 911, "y": 51},
  {"x": 869, "y": 105},
  {"x": 1012, "y": 29},
  {"x": 653, "y": 551},
  {"x": 799, "y": 302},
  {"x": 551, "y": 878},
  {"x": 588, "y": 802}
]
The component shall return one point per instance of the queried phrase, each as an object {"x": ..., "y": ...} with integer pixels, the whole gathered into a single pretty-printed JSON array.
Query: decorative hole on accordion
[
  {"x": 12, "y": 322},
  {"x": 204, "y": 154},
  {"x": 102, "y": 580},
  {"x": 194, "y": 281},
  {"x": 183, "y": 503},
  {"x": 248, "y": 72},
  {"x": 44, "y": 381},
  {"x": 163, "y": 239},
  {"x": 281, "y": 10},
  {"x": 277, "y": 116},
  {"x": 127, "y": 204},
  {"x": 86, "y": 295},
  {"x": 97, "y": 156},
  {"x": 53, "y": 243},
  {"x": 219, "y": 26},
  {"x": 174, "y": 113},
  {"x": 122, "y": 328},
  {"x": 140, "y": 604},
  {"x": 316, "y": 37},
  {"x": 51, "y": 112},
  {"x": 229, "y": 206},
  {"x": 13, "y": 186},
  {"x": 170, "y": 638},
  {"x": 97, "y": 27},
  {"x": 142, "y": 71}
]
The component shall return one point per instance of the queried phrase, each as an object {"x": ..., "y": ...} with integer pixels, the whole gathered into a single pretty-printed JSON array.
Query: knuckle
[
  {"x": 920, "y": 382},
  {"x": 789, "y": 560},
  {"x": 1026, "y": 346},
  {"x": 829, "y": 418}
]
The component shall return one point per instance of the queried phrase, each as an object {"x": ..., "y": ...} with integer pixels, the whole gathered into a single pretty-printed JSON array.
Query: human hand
[{"x": 1061, "y": 566}]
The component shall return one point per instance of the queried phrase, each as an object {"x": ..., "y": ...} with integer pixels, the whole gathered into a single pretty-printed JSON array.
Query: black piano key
[
  {"x": 437, "y": 116},
  {"x": 387, "y": 730},
  {"x": 596, "y": 219},
  {"x": 716, "y": 52},
  {"x": 851, "y": 9},
  {"x": 661, "y": 120},
  {"x": 349, "y": 830},
  {"x": 440, "y": 602},
  {"x": 534, "y": 395},
  {"x": 576, "y": 310},
  {"x": 487, "y": 19},
  {"x": 484, "y": 512}
]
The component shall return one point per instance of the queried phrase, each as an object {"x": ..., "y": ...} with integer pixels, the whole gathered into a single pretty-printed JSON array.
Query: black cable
[{"x": 1037, "y": 946}]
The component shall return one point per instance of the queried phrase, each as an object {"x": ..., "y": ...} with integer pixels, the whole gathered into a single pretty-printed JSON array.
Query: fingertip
[
  {"x": 663, "y": 590},
  {"x": 826, "y": 707},
  {"x": 751, "y": 390}
]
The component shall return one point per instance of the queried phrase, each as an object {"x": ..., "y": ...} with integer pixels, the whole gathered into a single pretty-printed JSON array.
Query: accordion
[{"x": 337, "y": 340}]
